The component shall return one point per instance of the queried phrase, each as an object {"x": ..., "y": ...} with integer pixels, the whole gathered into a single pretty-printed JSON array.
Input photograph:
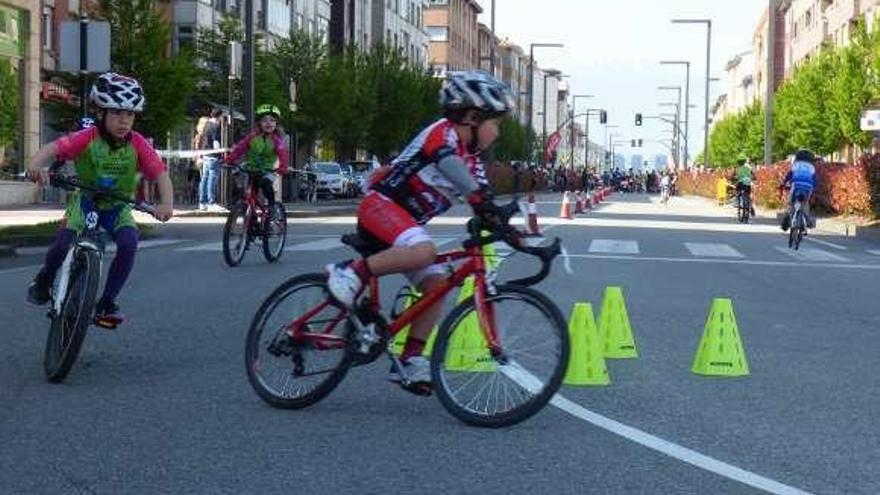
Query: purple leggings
[{"x": 126, "y": 239}]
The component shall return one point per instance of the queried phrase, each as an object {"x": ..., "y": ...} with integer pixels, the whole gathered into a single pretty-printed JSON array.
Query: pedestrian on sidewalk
[{"x": 208, "y": 138}]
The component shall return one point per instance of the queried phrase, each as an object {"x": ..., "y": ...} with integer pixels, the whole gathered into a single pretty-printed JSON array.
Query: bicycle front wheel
[
  {"x": 293, "y": 372},
  {"x": 68, "y": 328},
  {"x": 275, "y": 235},
  {"x": 235, "y": 235},
  {"x": 494, "y": 392}
]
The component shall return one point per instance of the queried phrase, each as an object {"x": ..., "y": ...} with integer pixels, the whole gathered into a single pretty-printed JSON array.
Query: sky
[{"x": 613, "y": 49}]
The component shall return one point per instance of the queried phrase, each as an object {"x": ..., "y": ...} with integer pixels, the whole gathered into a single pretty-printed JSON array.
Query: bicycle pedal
[{"x": 421, "y": 389}]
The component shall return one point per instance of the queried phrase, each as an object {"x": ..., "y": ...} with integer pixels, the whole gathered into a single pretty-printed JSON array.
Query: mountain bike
[
  {"x": 75, "y": 288},
  {"x": 743, "y": 205},
  {"x": 798, "y": 223},
  {"x": 249, "y": 220},
  {"x": 499, "y": 355}
]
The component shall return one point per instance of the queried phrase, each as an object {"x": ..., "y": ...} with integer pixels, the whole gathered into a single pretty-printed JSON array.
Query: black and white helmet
[
  {"x": 476, "y": 90},
  {"x": 118, "y": 92}
]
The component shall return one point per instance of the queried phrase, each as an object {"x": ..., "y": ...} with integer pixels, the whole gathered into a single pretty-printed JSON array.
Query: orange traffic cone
[
  {"x": 533, "y": 216},
  {"x": 578, "y": 203},
  {"x": 565, "y": 211}
]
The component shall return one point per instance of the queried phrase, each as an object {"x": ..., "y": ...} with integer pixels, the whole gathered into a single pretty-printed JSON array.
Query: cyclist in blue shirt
[{"x": 803, "y": 181}]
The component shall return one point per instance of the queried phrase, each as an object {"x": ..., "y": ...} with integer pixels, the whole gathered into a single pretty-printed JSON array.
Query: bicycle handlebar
[
  {"x": 515, "y": 239},
  {"x": 69, "y": 183}
]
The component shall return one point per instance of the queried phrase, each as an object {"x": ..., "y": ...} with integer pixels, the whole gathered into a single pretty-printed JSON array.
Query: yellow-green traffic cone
[
  {"x": 721, "y": 352},
  {"x": 586, "y": 363},
  {"x": 614, "y": 327}
]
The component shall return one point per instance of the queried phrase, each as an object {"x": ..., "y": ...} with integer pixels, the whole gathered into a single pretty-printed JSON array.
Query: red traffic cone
[
  {"x": 533, "y": 216},
  {"x": 578, "y": 203},
  {"x": 565, "y": 211}
]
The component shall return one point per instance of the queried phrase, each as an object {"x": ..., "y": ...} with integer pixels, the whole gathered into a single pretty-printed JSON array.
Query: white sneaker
[
  {"x": 203, "y": 207},
  {"x": 217, "y": 208},
  {"x": 417, "y": 369},
  {"x": 344, "y": 283}
]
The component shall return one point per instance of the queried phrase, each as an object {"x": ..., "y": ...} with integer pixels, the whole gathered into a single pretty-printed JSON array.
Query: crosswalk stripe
[
  {"x": 319, "y": 245},
  {"x": 811, "y": 254},
  {"x": 614, "y": 246},
  {"x": 712, "y": 250},
  {"x": 875, "y": 252}
]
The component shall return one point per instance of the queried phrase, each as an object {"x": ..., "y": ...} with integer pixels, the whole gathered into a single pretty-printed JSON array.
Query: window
[
  {"x": 437, "y": 33},
  {"x": 808, "y": 18}
]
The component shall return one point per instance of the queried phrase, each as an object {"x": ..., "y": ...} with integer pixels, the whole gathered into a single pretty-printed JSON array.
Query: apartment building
[
  {"x": 400, "y": 24},
  {"x": 453, "y": 35}
]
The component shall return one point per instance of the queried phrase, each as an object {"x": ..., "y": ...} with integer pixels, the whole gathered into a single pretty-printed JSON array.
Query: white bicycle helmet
[
  {"x": 118, "y": 92},
  {"x": 476, "y": 90}
]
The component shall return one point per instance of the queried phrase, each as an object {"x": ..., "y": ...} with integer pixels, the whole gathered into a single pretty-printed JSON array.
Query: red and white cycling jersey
[{"x": 415, "y": 183}]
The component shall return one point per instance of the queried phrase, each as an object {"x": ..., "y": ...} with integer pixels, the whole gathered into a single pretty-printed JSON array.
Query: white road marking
[
  {"x": 811, "y": 254},
  {"x": 111, "y": 247},
  {"x": 712, "y": 250},
  {"x": 519, "y": 375},
  {"x": 827, "y": 244},
  {"x": 875, "y": 252},
  {"x": 614, "y": 246},
  {"x": 721, "y": 261},
  {"x": 325, "y": 244}
]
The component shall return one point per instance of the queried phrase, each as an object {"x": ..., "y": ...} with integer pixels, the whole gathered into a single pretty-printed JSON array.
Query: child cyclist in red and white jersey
[
  {"x": 264, "y": 151},
  {"x": 109, "y": 154},
  {"x": 436, "y": 168}
]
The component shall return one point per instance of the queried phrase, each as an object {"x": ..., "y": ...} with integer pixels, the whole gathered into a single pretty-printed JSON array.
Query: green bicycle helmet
[
  {"x": 268, "y": 109},
  {"x": 741, "y": 159}
]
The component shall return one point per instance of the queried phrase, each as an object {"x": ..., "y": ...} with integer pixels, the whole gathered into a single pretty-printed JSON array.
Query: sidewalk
[{"x": 35, "y": 214}]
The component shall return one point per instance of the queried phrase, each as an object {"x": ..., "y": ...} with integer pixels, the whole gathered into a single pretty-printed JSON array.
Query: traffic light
[
  {"x": 638, "y": 119},
  {"x": 603, "y": 117},
  {"x": 639, "y": 141},
  {"x": 633, "y": 143}
]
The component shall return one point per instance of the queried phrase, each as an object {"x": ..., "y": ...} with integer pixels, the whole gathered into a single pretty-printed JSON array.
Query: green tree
[
  {"x": 851, "y": 87},
  {"x": 140, "y": 40},
  {"x": 212, "y": 51},
  {"x": 512, "y": 142},
  {"x": 802, "y": 111}
]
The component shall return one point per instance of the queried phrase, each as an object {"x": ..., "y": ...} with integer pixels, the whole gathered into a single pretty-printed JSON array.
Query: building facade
[
  {"x": 400, "y": 24},
  {"x": 514, "y": 70},
  {"x": 20, "y": 51},
  {"x": 453, "y": 35},
  {"x": 760, "y": 52}
]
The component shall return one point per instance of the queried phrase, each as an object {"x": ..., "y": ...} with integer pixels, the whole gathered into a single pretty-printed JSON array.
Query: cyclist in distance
[
  {"x": 803, "y": 181},
  {"x": 437, "y": 167},
  {"x": 111, "y": 155},
  {"x": 264, "y": 151},
  {"x": 744, "y": 175}
]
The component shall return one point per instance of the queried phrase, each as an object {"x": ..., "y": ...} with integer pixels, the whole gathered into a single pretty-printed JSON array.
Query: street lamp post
[
  {"x": 574, "y": 99},
  {"x": 687, "y": 104},
  {"x": 676, "y": 129},
  {"x": 529, "y": 117},
  {"x": 609, "y": 137},
  {"x": 708, "y": 23},
  {"x": 249, "y": 61},
  {"x": 558, "y": 76}
]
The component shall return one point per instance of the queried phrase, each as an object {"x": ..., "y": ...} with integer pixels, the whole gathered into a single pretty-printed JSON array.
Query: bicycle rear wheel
[
  {"x": 495, "y": 392},
  {"x": 799, "y": 227},
  {"x": 275, "y": 235},
  {"x": 235, "y": 235},
  {"x": 290, "y": 373},
  {"x": 68, "y": 328}
]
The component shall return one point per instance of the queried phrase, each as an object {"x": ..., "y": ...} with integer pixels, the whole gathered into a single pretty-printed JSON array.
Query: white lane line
[
  {"x": 325, "y": 244},
  {"x": 712, "y": 250},
  {"x": 211, "y": 246},
  {"x": 721, "y": 261},
  {"x": 875, "y": 252},
  {"x": 111, "y": 247},
  {"x": 525, "y": 379},
  {"x": 614, "y": 246},
  {"x": 827, "y": 244},
  {"x": 810, "y": 254},
  {"x": 674, "y": 450}
]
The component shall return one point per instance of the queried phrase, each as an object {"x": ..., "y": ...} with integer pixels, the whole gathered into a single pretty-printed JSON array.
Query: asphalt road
[{"x": 163, "y": 404}]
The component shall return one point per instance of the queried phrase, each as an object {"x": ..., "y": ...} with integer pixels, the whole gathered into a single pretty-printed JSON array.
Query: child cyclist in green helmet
[
  {"x": 108, "y": 154},
  {"x": 264, "y": 152}
]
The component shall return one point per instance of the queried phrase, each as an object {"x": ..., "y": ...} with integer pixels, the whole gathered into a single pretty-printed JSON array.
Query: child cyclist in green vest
[
  {"x": 264, "y": 152},
  {"x": 109, "y": 154}
]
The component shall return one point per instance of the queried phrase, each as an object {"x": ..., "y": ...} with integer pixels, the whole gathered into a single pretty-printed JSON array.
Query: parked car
[{"x": 331, "y": 181}]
